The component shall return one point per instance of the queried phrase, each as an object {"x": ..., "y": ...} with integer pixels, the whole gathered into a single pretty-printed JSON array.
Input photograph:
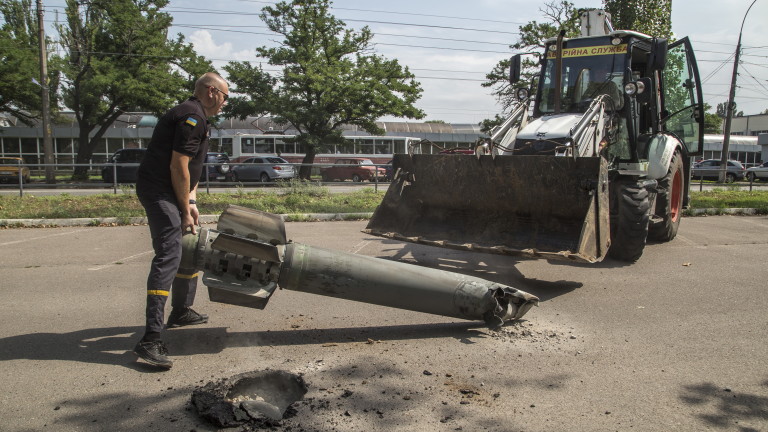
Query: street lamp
[{"x": 730, "y": 108}]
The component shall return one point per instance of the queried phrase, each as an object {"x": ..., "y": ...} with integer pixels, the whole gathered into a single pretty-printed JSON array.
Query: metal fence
[{"x": 37, "y": 172}]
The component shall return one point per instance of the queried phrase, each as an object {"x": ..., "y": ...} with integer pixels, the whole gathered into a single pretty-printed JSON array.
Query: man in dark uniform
[{"x": 167, "y": 188}]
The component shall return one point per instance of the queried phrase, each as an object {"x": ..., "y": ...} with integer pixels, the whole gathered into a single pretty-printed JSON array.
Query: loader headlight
[
  {"x": 630, "y": 89},
  {"x": 634, "y": 88},
  {"x": 522, "y": 93}
]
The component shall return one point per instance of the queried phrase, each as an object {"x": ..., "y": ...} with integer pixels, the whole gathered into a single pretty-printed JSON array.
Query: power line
[
  {"x": 755, "y": 64},
  {"x": 402, "y": 13},
  {"x": 374, "y": 43},
  {"x": 716, "y": 70},
  {"x": 755, "y": 79},
  {"x": 222, "y": 27},
  {"x": 725, "y": 95},
  {"x": 215, "y": 12},
  {"x": 442, "y": 48}
]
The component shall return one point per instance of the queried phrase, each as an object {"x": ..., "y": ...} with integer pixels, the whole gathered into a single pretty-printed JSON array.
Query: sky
[{"x": 450, "y": 45}]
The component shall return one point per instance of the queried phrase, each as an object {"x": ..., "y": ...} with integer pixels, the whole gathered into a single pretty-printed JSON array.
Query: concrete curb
[
  {"x": 204, "y": 219},
  {"x": 721, "y": 211}
]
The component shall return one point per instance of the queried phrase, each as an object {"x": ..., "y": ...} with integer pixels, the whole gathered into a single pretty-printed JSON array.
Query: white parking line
[
  {"x": 121, "y": 260},
  {"x": 40, "y": 238},
  {"x": 358, "y": 247}
]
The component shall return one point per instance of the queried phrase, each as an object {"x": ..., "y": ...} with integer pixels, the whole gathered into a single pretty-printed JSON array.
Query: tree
[
  {"x": 560, "y": 15},
  {"x": 713, "y": 123},
  {"x": 119, "y": 59},
  {"x": 20, "y": 62},
  {"x": 329, "y": 78},
  {"x": 652, "y": 17}
]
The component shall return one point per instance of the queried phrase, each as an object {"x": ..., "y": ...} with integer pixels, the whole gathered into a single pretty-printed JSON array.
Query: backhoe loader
[{"x": 599, "y": 166}]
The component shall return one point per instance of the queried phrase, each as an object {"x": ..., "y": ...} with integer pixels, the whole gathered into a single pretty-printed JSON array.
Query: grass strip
[{"x": 290, "y": 199}]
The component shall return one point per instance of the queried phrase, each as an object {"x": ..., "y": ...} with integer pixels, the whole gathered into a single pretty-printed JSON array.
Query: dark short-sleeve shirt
[{"x": 184, "y": 129}]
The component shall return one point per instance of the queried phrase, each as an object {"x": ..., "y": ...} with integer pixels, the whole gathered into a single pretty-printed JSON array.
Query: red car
[{"x": 355, "y": 169}]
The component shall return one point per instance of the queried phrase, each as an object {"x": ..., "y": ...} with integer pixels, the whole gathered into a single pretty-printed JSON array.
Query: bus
[{"x": 378, "y": 149}]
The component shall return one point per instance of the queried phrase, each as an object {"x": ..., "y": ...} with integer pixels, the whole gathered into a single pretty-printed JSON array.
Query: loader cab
[
  {"x": 590, "y": 67},
  {"x": 669, "y": 99}
]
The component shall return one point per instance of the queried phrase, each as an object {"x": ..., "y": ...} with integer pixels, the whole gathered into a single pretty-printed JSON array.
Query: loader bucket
[{"x": 539, "y": 206}]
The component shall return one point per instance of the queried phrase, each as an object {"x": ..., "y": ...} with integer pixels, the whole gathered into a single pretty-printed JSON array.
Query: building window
[
  {"x": 29, "y": 145},
  {"x": 11, "y": 146},
  {"x": 264, "y": 145},
  {"x": 246, "y": 146}
]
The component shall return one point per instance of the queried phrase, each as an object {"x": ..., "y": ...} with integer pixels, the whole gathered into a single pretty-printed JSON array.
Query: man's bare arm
[{"x": 181, "y": 180}]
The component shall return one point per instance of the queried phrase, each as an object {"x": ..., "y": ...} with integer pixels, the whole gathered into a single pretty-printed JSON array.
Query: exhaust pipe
[{"x": 248, "y": 257}]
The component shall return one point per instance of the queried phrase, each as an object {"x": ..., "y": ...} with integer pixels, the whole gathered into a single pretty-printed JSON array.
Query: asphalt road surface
[{"x": 676, "y": 342}]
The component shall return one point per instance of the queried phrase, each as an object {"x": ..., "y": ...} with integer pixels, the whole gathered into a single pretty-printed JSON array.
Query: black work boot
[
  {"x": 185, "y": 317},
  {"x": 154, "y": 353}
]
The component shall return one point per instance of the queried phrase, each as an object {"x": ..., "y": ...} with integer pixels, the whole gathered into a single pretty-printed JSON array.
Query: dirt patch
[
  {"x": 257, "y": 399},
  {"x": 539, "y": 337}
]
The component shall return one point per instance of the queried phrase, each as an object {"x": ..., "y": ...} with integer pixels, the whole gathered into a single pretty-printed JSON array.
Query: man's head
[{"x": 212, "y": 91}]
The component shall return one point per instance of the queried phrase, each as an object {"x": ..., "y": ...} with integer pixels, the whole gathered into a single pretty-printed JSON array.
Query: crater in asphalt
[{"x": 259, "y": 398}]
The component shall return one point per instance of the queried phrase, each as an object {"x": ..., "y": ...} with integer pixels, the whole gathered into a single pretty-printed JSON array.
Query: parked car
[
  {"x": 264, "y": 169},
  {"x": 217, "y": 166},
  {"x": 389, "y": 171},
  {"x": 355, "y": 169},
  {"x": 710, "y": 169},
  {"x": 9, "y": 170},
  {"x": 125, "y": 173},
  {"x": 759, "y": 172}
]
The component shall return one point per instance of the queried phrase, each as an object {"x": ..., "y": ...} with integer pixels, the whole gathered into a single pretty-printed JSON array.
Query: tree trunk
[
  {"x": 87, "y": 144},
  {"x": 309, "y": 158},
  {"x": 84, "y": 153}
]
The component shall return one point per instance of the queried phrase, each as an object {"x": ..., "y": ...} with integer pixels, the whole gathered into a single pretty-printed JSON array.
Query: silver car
[
  {"x": 710, "y": 169},
  {"x": 263, "y": 169},
  {"x": 758, "y": 173}
]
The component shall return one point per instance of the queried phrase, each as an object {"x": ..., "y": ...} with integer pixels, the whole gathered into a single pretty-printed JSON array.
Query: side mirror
[
  {"x": 514, "y": 69},
  {"x": 658, "y": 60}
]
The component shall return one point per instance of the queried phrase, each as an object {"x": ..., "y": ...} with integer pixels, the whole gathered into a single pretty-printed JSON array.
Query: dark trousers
[{"x": 164, "y": 274}]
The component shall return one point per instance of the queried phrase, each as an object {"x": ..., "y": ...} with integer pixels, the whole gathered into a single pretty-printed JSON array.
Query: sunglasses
[{"x": 226, "y": 95}]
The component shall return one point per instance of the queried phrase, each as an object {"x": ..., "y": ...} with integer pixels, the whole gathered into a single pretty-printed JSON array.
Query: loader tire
[
  {"x": 629, "y": 220},
  {"x": 669, "y": 202}
]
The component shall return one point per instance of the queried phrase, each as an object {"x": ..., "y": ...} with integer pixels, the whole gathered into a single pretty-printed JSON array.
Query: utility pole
[
  {"x": 731, "y": 105},
  {"x": 50, "y": 175}
]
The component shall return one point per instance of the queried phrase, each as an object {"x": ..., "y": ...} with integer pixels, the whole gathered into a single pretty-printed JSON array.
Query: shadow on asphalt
[
  {"x": 110, "y": 345},
  {"x": 198, "y": 340},
  {"x": 114, "y": 345},
  {"x": 727, "y": 408},
  {"x": 496, "y": 268}
]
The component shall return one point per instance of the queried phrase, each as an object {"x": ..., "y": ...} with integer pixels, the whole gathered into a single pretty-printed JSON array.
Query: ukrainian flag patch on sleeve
[{"x": 191, "y": 121}]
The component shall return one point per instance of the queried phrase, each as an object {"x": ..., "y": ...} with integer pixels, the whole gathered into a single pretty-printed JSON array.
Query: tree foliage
[
  {"x": 652, "y": 17},
  {"x": 559, "y": 15},
  {"x": 20, "y": 96},
  {"x": 329, "y": 77},
  {"x": 119, "y": 59},
  {"x": 713, "y": 123}
]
